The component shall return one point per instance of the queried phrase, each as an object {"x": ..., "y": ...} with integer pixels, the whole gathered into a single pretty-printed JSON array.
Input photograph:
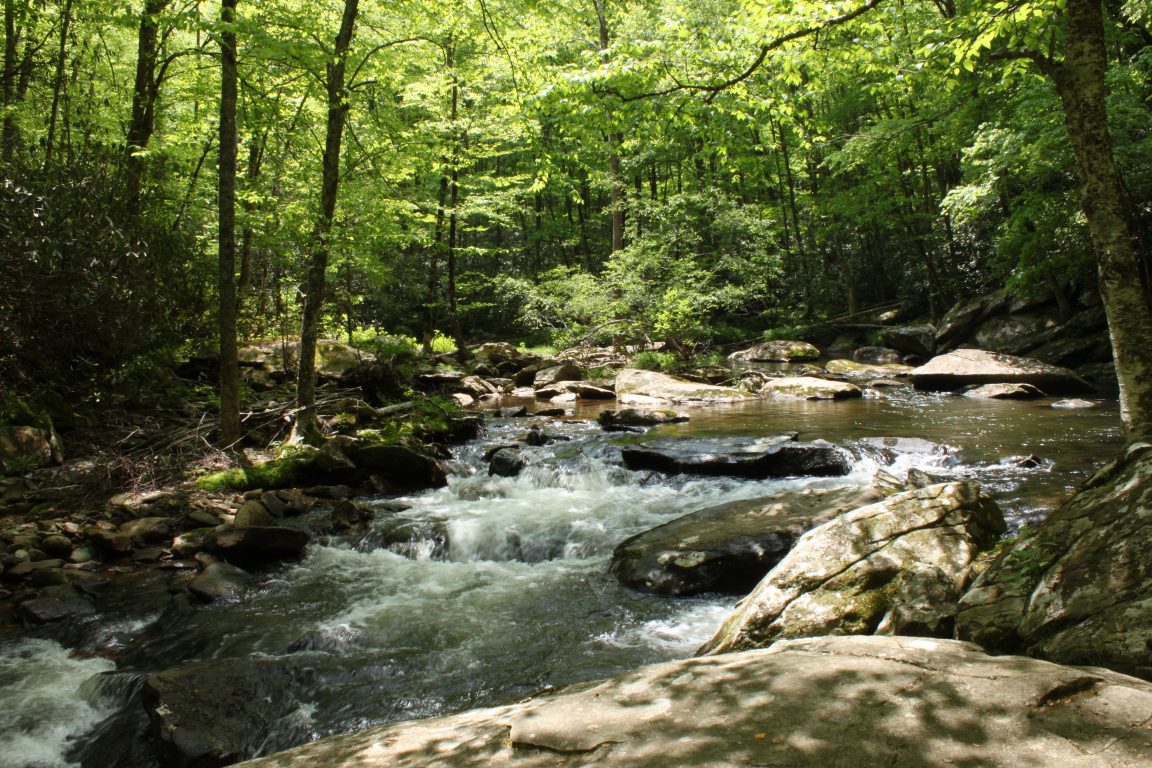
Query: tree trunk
[
  {"x": 1082, "y": 87},
  {"x": 613, "y": 139},
  {"x": 229, "y": 364},
  {"x": 57, "y": 82},
  {"x": 306, "y": 426},
  {"x": 143, "y": 120},
  {"x": 10, "y": 136}
]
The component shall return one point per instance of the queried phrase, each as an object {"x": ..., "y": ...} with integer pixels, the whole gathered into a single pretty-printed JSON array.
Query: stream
[{"x": 501, "y": 590}]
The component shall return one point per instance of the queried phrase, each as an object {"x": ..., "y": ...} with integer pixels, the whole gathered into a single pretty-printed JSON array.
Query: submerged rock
[
  {"x": 639, "y": 417},
  {"x": 1078, "y": 587},
  {"x": 729, "y": 547},
  {"x": 506, "y": 462},
  {"x": 1005, "y": 392},
  {"x": 215, "y": 713},
  {"x": 897, "y": 566},
  {"x": 777, "y": 456},
  {"x": 835, "y": 702},
  {"x": 219, "y": 581}
]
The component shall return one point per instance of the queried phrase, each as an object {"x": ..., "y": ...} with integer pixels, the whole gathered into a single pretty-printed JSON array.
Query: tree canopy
[{"x": 694, "y": 172}]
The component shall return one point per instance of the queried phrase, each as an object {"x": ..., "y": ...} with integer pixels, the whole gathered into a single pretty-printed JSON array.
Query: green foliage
[
  {"x": 654, "y": 360},
  {"x": 87, "y": 303},
  {"x": 784, "y": 333},
  {"x": 906, "y": 154}
]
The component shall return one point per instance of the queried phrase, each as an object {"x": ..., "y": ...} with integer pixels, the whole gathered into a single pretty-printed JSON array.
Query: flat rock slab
[
  {"x": 855, "y": 369},
  {"x": 965, "y": 367},
  {"x": 837, "y": 702},
  {"x": 728, "y": 547},
  {"x": 777, "y": 456},
  {"x": 639, "y": 387},
  {"x": 809, "y": 388}
]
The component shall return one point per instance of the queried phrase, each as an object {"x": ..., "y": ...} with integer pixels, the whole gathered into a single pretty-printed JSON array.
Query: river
[{"x": 501, "y": 591}]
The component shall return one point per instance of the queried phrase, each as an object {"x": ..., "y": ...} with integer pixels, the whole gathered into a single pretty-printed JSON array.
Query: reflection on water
[{"x": 503, "y": 590}]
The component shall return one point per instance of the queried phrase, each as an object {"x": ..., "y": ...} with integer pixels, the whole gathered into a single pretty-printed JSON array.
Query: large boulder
[
  {"x": 1078, "y": 587},
  {"x": 778, "y": 456},
  {"x": 777, "y": 352},
  {"x": 406, "y": 465},
  {"x": 894, "y": 567},
  {"x": 555, "y": 373},
  {"x": 496, "y": 352},
  {"x": 729, "y": 547},
  {"x": 639, "y": 387},
  {"x": 960, "y": 323},
  {"x": 24, "y": 447},
  {"x": 262, "y": 545},
  {"x": 809, "y": 388},
  {"x": 916, "y": 340},
  {"x": 965, "y": 367},
  {"x": 835, "y": 702},
  {"x": 333, "y": 359},
  {"x": 582, "y": 390},
  {"x": 215, "y": 713}
]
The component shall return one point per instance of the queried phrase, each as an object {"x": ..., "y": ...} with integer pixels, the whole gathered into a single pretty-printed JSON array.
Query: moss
[{"x": 278, "y": 473}]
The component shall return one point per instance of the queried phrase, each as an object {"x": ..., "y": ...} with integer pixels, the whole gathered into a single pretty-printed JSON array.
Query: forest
[
  {"x": 182, "y": 174},
  {"x": 435, "y": 375}
]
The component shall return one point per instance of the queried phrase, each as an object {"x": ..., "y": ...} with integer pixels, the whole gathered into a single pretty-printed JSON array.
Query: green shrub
[{"x": 654, "y": 360}]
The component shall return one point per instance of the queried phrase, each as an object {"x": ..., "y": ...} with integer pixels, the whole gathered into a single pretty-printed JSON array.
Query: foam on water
[{"x": 43, "y": 705}]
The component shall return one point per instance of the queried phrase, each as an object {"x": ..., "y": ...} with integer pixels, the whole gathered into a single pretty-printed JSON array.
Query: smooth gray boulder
[
  {"x": 728, "y": 547},
  {"x": 777, "y": 352},
  {"x": 777, "y": 456},
  {"x": 639, "y": 387},
  {"x": 867, "y": 569},
  {"x": 559, "y": 372},
  {"x": 809, "y": 388},
  {"x": 1078, "y": 587},
  {"x": 219, "y": 581},
  {"x": 835, "y": 702},
  {"x": 965, "y": 367},
  {"x": 584, "y": 390},
  {"x": 1017, "y": 391}
]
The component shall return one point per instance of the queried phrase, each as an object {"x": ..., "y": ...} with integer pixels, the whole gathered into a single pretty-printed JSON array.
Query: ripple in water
[{"x": 44, "y": 707}]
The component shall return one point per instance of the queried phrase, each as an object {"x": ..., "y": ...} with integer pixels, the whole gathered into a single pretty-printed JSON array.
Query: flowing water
[{"x": 500, "y": 589}]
